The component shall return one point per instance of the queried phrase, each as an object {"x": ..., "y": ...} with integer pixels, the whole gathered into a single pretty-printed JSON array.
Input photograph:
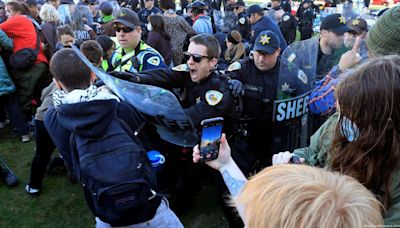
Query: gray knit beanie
[{"x": 384, "y": 37}]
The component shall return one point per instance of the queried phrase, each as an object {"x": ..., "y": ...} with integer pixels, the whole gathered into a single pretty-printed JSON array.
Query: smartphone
[{"x": 211, "y": 132}]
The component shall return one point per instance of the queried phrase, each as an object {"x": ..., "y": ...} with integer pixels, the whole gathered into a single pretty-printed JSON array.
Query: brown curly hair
[{"x": 367, "y": 97}]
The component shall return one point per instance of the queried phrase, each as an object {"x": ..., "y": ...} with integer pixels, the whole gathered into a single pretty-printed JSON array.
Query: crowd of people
[{"x": 325, "y": 102}]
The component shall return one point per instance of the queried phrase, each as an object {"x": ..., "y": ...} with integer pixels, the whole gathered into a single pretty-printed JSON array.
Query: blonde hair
[
  {"x": 49, "y": 14},
  {"x": 236, "y": 51},
  {"x": 303, "y": 196}
]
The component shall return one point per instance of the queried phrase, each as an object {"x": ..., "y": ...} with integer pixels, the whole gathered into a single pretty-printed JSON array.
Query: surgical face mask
[
  {"x": 149, "y": 27},
  {"x": 349, "y": 130}
]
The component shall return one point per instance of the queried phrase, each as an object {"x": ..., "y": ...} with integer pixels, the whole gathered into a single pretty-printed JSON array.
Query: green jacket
[{"x": 316, "y": 154}]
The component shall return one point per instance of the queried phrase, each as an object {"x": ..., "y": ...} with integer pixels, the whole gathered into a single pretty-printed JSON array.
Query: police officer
[
  {"x": 132, "y": 55},
  {"x": 260, "y": 23},
  {"x": 243, "y": 25},
  {"x": 287, "y": 22},
  {"x": 306, "y": 19},
  {"x": 207, "y": 96},
  {"x": 149, "y": 9},
  {"x": 259, "y": 76}
]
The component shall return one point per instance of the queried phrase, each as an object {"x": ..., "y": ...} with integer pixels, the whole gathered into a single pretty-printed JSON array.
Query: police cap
[
  {"x": 267, "y": 42},
  {"x": 336, "y": 23},
  {"x": 128, "y": 18}
]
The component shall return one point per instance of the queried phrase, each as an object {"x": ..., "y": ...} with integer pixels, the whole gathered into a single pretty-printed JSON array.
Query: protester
[
  {"x": 235, "y": 48},
  {"x": 25, "y": 35},
  {"x": 108, "y": 47},
  {"x": 65, "y": 37},
  {"x": 201, "y": 21},
  {"x": 68, "y": 116},
  {"x": 159, "y": 38},
  {"x": 296, "y": 195},
  {"x": 177, "y": 28},
  {"x": 361, "y": 140},
  {"x": 51, "y": 20}
]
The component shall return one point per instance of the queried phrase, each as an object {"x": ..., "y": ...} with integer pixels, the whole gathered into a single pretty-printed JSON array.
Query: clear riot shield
[
  {"x": 224, "y": 21},
  {"x": 296, "y": 79},
  {"x": 159, "y": 106}
]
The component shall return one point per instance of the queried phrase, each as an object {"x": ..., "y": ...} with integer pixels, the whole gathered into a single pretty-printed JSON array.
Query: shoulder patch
[
  {"x": 154, "y": 60},
  {"x": 242, "y": 20},
  {"x": 183, "y": 68},
  {"x": 286, "y": 18},
  {"x": 213, "y": 97},
  {"x": 234, "y": 66}
]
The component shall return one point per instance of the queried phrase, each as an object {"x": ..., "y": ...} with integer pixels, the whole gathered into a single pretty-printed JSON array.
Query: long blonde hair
[
  {"x": 235, "y": 51},
  {"x": 303, "y": 196}
]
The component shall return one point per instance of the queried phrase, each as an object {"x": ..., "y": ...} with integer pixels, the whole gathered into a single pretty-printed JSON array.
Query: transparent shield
[
  {"x": 224, "y": 21},
  {"x": 159, "y": 106},
  {"x": 296, "y": 79}
]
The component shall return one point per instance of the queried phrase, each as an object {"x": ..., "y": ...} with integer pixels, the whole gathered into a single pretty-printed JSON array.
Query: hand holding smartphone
[{"x": 211, "y": 132}]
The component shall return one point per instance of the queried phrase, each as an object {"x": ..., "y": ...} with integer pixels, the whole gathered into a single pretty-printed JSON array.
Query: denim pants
[
  {"x": 44, "y": 149},
  {"x": 13, "y": 108},
  {"x": 164, "y": 217}
]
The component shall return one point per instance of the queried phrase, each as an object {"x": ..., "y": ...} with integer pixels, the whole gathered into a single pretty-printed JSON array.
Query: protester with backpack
[{"x": 93, "y": 129}]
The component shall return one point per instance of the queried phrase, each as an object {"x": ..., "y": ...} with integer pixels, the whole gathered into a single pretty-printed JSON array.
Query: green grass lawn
[{"x": 61, "y": 204}]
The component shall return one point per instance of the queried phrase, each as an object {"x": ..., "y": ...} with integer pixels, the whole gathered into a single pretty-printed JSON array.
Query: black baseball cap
[
  {"x": 127, "y": 17},
  {"x": 267, "y": 42},
  {"x": 357, "y": 25},
  {"x": 106, "y": 8},
  {"x": 253, "y": 9},
  {"x": 336, "y": 23}
]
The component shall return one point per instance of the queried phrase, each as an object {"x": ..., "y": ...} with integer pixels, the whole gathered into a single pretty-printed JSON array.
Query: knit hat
[{"x": 383, "y": 38}]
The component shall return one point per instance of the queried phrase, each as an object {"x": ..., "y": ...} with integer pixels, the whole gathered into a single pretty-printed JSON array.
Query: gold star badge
[
  {"x": 121, "y": 13},
  {"x": 264, "y": 39},
  {"x": 355, "y": 22},
  {"x": 342, "y": 20}
]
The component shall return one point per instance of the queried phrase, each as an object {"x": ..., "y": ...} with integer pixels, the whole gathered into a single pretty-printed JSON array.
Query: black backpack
[{"x": 115, "y": 173}]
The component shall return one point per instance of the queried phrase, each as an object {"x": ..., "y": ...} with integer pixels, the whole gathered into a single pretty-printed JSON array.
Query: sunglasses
[
  {"x": 125, "y": 29},
  {"x": 197, "y": 58}
]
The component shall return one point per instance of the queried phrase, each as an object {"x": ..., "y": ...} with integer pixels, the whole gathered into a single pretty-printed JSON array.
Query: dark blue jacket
[
  {"x": 91, "y": 120},
  {"x": 267, "y": 24},
  {"x": 88, "y": 119}
]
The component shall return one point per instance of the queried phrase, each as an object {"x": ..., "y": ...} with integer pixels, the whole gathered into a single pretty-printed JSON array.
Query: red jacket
[{"x": 22, "y": 31}]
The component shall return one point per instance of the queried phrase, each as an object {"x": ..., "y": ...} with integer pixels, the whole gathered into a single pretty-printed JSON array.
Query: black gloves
[
  {"x": 236, "y": 87},
  {"x": 124, "y": 76}
]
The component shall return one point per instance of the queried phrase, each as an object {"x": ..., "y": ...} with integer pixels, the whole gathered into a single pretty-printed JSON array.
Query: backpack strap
[{"x": 76, "y": 168}]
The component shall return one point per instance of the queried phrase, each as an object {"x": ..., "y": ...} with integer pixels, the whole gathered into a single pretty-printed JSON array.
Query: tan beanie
[{"x": 384, "y": 37}]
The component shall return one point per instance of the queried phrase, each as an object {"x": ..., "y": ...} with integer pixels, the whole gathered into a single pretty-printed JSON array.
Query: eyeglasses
[
  {"x": 125, "y": 29},
  {"x": 197, "y": 58}
]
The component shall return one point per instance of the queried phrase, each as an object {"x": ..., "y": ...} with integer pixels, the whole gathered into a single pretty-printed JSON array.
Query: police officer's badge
[
  {"x": 342, "y": 20},
  {"x": 182, "y": 68},
  {"x": 213, "y": 97},
  {"x": 242, "y": 20},
  {"x": 121, "y": 13},
  {"x": 264, "y": 39},
  {"x": 286, "y": 18},
  {"x": 234, "y": 66},
  {"x": 155, "y": 60},
  {"x": 355, "y": 22}
]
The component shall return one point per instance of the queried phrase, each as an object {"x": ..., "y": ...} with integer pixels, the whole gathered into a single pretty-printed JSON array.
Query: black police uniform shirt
[
  {"x": 243, "y": 26},
  {"x": 288, "y": 26},
  {"x": 145, "y": 13},
  {"x": 208, "y": 98},
  {"x": 260, "y": 89}
]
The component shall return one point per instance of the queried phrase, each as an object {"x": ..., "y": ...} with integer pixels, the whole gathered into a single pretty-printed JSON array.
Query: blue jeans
[
  {"x": 164, "y": 217},
  {"x": 15, "y": 114}
]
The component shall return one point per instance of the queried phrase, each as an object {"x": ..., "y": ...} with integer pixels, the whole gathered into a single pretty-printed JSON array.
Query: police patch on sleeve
[
  {"x": 286, "y": 18},
  {"x": 154, "y": 60},
  {"x": 213, "y": 97},
  {"x": 242, "y": 20},
  {"x": 234, "y": 66},
  {"x": 183, "y": 68}
]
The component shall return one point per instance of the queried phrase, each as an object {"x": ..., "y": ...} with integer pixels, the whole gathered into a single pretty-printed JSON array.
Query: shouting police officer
[
  {"x": 259, "y": 76},
  {"x": 132, "y": 55}
]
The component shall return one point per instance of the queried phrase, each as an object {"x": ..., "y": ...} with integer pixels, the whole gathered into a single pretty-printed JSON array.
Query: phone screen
[{"x": 210, "y": 140}]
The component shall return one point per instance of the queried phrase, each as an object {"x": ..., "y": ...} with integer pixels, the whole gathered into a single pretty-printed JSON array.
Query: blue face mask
[{"x": 349, "y": 130}]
